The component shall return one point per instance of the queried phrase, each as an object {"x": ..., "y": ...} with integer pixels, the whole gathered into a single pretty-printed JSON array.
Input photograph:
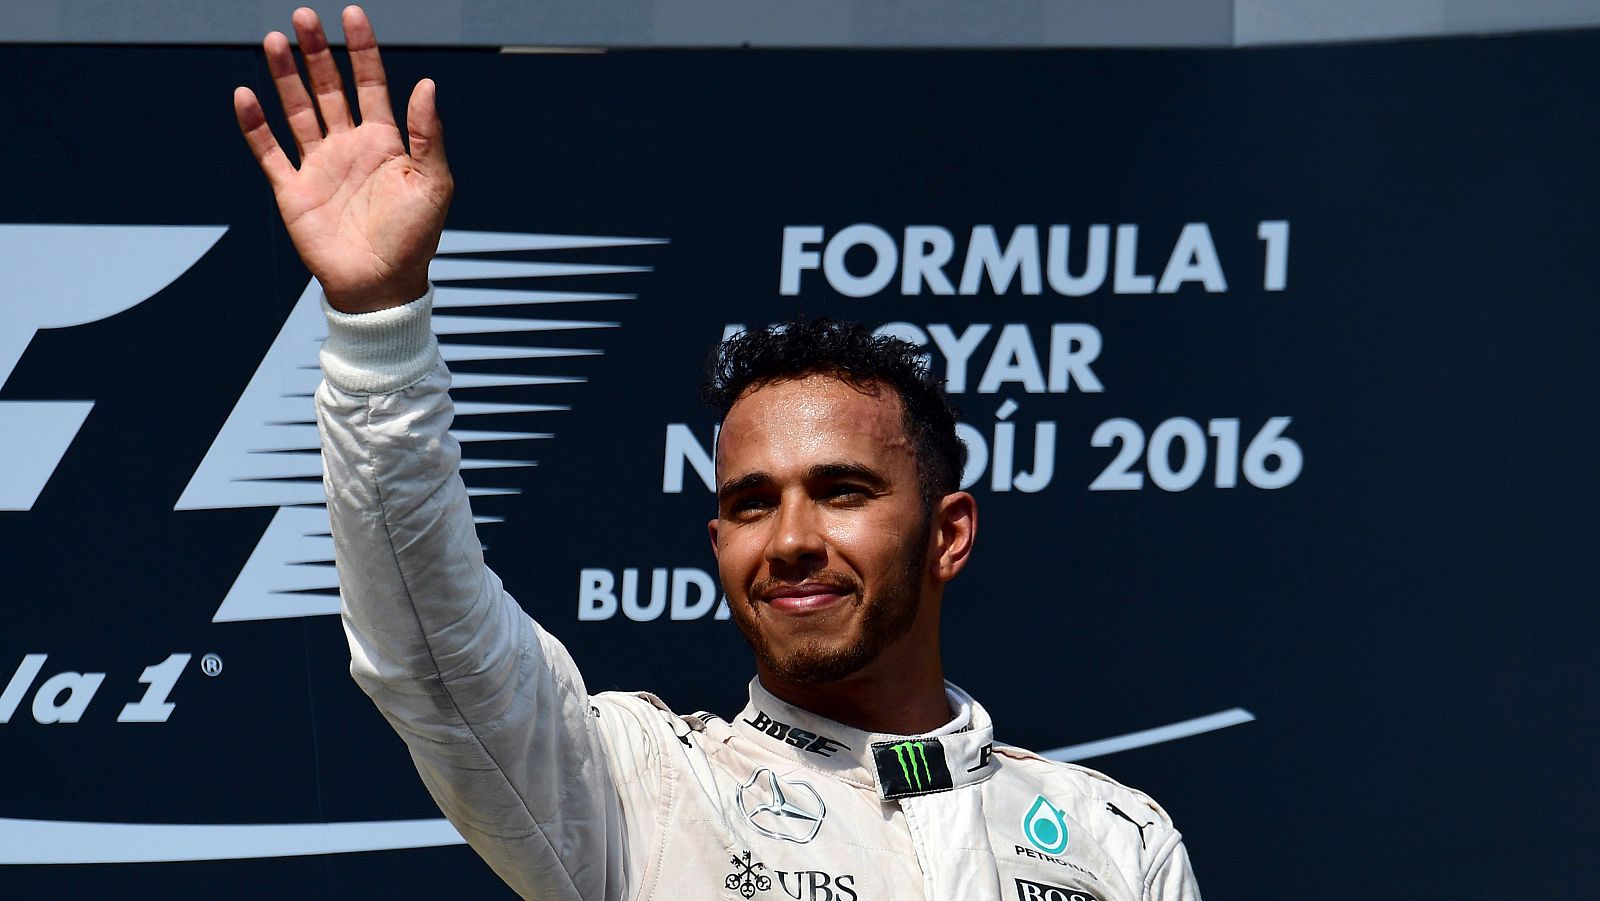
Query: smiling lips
[{"x": 806, "y": 597}]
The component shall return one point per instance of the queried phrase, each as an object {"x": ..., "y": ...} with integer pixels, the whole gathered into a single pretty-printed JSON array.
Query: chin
[
  {"x": 816, "y": 659},
  {"x": 821, "y": 649},
  {"x": 820, "y": 668}
]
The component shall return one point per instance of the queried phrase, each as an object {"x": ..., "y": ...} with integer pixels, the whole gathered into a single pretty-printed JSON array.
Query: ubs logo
[{"x": 749, "y": 877}]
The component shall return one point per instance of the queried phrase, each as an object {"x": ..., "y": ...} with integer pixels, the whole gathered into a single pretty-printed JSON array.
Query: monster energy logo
[
  {"x": 911, "y": 767},
  {"x": 911, "y": 754}
]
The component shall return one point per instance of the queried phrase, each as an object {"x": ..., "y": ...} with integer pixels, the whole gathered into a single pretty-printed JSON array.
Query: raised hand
[{"x": 364, "y": 214}]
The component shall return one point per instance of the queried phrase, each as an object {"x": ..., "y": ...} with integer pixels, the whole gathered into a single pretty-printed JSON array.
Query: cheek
[
  {"x": 870, "y": 542},
  {"x": 739, "y": 556}
]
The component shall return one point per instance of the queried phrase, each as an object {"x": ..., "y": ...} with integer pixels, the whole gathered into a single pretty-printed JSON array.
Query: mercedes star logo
[{"x": 786, "y": 809}]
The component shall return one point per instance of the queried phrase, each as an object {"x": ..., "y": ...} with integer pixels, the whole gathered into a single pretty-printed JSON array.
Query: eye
[
  {"x": 747, "y": 504},
  {"x": 847, "y": 492}
]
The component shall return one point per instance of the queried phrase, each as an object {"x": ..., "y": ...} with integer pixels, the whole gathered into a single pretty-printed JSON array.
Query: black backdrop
[{"x": 1411, "y": 620}]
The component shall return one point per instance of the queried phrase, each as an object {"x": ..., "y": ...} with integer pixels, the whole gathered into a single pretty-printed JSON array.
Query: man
[{"x": 855, "y": 773}]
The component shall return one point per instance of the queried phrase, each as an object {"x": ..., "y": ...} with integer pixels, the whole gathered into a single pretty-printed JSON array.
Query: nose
[{"x": 796, "y": 541}]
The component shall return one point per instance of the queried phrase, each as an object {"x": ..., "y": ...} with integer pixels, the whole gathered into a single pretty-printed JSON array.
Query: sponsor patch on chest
[{"x": 1028, "y": 890}]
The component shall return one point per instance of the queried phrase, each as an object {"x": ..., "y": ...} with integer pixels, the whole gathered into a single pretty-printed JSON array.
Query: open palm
[{"x": 364, "y": 214}]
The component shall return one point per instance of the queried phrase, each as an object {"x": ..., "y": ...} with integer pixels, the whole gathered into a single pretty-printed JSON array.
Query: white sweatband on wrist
[{"x": 380, "y": 352}]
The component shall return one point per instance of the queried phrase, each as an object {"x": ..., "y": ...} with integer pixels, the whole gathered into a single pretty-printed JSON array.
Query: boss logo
[{"x": 1038, "y": 891}]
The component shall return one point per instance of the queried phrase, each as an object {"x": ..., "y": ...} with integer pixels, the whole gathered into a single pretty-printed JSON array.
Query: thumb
[{"x": 425, "y": 130}]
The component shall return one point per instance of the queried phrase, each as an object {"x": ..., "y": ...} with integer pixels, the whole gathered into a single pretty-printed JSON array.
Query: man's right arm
[
  {"x": 495, "y": 714},
  {"x": 491, "y": 707}
]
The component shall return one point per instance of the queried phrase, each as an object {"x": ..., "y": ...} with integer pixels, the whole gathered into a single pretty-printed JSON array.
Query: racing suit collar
[{"x": 895, "y": 766}]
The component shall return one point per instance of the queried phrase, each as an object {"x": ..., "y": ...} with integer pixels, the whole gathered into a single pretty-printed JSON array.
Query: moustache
[{"x": 826, "y": 579}]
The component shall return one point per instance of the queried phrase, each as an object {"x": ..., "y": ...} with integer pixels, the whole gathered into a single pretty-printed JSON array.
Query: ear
[
  {"x": 711, "y": 527},
  {"x": 955, "y": 528}
]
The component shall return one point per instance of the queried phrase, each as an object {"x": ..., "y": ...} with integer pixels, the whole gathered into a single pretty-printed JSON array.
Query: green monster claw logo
[
  {"x": 915, "y": 766},
  {"x": 911, "y": 754}
]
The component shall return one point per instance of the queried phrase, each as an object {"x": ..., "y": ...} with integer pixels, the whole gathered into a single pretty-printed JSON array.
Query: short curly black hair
[{"x": 853, "y": 354}]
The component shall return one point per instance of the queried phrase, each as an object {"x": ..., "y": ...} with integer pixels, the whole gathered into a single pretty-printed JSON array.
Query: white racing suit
[{"x": 569, "y": 795}]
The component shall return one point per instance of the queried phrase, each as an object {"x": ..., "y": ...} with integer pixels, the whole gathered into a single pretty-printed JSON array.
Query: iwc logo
[
  {"x": 785, "y": 809},
  {"x": 1045, "y": 827}
]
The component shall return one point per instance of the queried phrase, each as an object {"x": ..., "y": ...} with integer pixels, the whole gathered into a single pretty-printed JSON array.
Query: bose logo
[
  {"x": 800, "y": 738},
  {"x": 58, "y": 276}
]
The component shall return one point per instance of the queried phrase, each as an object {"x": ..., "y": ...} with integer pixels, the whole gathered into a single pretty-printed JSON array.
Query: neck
[{"x": 899, "y": 693}]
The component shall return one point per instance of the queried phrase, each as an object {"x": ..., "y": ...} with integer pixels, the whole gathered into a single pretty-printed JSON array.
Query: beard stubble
[{"x": 888, "y": 616}]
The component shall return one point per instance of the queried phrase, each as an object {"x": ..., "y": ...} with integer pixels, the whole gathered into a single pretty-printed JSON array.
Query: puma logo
[{"x": 1118, "y": 811}]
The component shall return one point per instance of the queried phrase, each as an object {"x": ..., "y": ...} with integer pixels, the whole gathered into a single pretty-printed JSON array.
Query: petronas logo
[
  {"x": 1045, "y": 827},
  {"x": 913, "y": 758}
]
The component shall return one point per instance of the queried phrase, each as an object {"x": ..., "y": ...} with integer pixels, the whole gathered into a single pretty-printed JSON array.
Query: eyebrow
[
  {"x": 819, "y": 472},
  {"x": 824, "y": 471},
  {"x": 743, "y": 483}
]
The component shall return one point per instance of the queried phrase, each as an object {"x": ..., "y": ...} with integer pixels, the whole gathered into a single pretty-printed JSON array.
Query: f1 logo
[{"x": 58, "y": 276}]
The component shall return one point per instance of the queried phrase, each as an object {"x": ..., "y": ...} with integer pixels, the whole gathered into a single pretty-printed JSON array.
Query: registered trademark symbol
[{"x": 211, "y": 665}]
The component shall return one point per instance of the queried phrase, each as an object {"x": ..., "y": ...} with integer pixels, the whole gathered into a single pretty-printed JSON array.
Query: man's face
[{"x": 821, "y": 538}]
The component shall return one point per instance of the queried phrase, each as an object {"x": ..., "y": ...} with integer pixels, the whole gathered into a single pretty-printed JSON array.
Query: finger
[
  {"x": 297, "y": 106},
  {"x": 372, "y": 86},
  {"x": 253, "y": 122},
  {"x": 326, "y": 84},
  {"x": 425, "y": 130}
]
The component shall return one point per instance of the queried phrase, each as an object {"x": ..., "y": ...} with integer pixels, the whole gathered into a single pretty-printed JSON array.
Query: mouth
[{"x": 806, "y": 597}]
